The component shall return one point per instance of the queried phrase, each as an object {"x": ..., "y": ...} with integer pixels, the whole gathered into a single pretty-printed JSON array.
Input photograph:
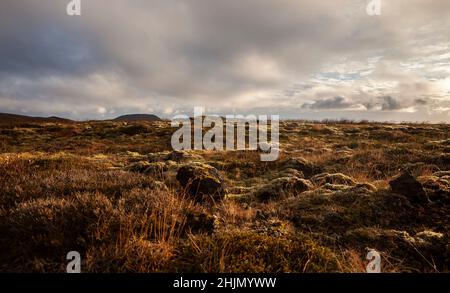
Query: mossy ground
[{"x": 109, "y": 191}]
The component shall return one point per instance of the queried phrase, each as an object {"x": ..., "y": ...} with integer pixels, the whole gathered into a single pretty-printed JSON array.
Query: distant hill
[
  {"x": 138, "y": 117},
  {"x": 15, "y": 118}
]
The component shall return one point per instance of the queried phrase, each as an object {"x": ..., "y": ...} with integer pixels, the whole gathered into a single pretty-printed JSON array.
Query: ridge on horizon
[{"x": 10, "y": 117}]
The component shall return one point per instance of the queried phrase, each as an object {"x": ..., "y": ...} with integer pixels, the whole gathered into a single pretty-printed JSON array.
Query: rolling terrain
[{"x": 116, "y": 192}]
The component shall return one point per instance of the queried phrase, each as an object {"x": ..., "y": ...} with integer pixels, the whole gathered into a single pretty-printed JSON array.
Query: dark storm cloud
[
  {"x": 385, "y": 103},
  {"x": 389, "y": 103},
  {"x": 34, "y": 43},
  {"x": 165, "y": 56},
  {"x": 45, "y": 50},
  {"x": 325, "y": 104},
  {"x": 421, "y": 101}
]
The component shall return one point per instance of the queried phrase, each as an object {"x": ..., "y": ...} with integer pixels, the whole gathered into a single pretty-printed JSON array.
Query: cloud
[
  {"x": 101, "y": 110},
  {"x": 421, "y": 101},
  {"x": 325, "y": 104},
  {"x": 390, "y": 103},
  {"x": 289, "y": 55}
]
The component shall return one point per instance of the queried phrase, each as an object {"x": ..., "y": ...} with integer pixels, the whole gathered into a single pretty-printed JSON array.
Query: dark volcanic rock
[
  {"x": 201, "y": 179},
  {"x": 407, "y": 185}
]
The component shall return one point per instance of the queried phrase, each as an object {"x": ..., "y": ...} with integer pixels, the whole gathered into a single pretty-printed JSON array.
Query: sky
[{"x": 303, "y": 59}]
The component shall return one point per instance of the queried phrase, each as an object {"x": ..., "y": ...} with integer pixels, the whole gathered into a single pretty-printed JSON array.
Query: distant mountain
[
  {"x": 138, "y": 117},
  {"x": 15, "y": 118}
]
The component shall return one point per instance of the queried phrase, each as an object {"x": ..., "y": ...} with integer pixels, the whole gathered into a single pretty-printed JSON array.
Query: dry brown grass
[{"x": 68, "y": 187}]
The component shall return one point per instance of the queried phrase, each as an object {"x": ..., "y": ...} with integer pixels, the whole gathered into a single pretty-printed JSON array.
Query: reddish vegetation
[{"x": 114, "y": 192}]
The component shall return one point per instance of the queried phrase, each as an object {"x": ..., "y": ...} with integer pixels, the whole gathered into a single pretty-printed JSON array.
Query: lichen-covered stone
[
  {"x": 282, "y": 188},
  {"x": 336, "y": 178},
  {"x": 302, "y": 165},
  {"x": 147, "y": 168},
  {"x": 201, "y": 179}
]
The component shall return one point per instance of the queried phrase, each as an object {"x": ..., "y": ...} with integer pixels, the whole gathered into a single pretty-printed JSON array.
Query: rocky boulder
[
  {"x": 201, "y": 180},
  {"x": 437, "y": 186},
  {"x": 147, "y": 168},
  {"x": 406, "y": 184},
  {"x": 336, "y": 178},
  {"x": 282, "y": 188}
]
